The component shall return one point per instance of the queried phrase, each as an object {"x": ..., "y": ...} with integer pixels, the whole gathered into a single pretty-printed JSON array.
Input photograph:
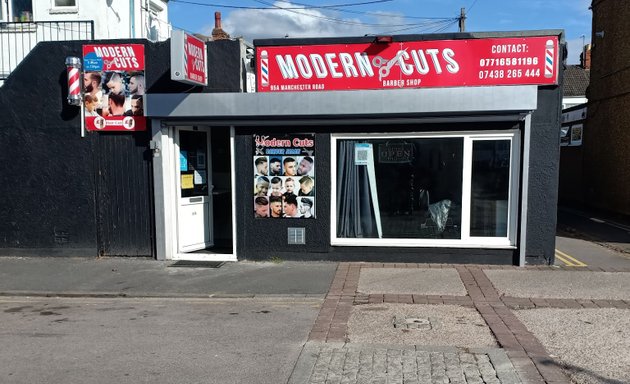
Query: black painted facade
[{"x": 64, "y": 195}]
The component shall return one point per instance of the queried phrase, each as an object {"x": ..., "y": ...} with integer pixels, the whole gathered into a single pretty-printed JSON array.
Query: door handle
[{"x": 195, "y": 199}]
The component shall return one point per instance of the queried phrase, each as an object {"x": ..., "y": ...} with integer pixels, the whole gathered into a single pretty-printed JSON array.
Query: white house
[{"x": 24, "y": 23}]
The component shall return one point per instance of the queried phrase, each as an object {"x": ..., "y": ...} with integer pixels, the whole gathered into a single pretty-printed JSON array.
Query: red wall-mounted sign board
[
  {"x": 410, "y": 64},
  {"x": 114, "y": 84}
]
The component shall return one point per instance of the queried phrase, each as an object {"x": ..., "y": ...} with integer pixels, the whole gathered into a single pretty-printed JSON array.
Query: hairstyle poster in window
[
  {"x": 113, "y": 87},
  {"x": 284, "y": 176}
]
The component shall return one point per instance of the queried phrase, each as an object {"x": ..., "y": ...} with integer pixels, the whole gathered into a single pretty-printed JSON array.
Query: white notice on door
[{"x": 200, "y": 177}]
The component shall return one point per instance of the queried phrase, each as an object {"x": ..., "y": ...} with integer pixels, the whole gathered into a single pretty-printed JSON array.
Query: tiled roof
[{"x": 576, "y": 80}]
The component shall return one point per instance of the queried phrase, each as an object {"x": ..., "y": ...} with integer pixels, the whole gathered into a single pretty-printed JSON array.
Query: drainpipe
[{"x": 132, "y": 18}]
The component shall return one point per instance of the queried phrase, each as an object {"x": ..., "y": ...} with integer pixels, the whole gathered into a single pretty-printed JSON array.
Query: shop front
[{"x": 394, "y": 149}]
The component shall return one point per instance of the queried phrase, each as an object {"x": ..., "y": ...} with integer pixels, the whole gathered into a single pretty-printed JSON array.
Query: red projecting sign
[
  {"x": 413, "y": 64},
  {"x": 189, "y": 59}
]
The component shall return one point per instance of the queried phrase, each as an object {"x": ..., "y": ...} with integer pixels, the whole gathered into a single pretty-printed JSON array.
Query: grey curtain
[{"x": 355, "y": 213}]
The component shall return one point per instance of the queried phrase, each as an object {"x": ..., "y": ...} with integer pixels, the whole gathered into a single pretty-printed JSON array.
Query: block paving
[
  {"x": 527, "y": 356},
  {"x": 355, "y": 363}
]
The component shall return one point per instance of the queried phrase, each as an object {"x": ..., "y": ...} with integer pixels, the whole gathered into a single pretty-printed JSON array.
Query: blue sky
[{"x": 384, "y": 17}]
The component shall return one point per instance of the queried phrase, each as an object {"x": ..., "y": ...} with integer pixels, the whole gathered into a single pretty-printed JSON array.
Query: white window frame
[
  {"x": 466, "y": 241},
  {"x": 54, "y": 8}
]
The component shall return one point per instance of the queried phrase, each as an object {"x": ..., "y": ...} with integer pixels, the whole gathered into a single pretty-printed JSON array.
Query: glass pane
[
  {"x": 22, "y": 10},
  {"x": 490, "y": 188},
  {"x": 65, "y": 3},
  {"x": 193, "y": 161},
  {"x": 418, "y": 188}
]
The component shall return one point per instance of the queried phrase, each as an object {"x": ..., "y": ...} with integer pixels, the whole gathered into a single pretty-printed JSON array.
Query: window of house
[
  {"x": 21, "y": 10},
  {"x": 65, "y": 3},
  {"x": 64, "y": 6},
  {"x": 446, "y": 189}
]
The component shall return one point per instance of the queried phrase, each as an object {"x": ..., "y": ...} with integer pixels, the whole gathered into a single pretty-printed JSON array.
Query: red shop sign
[
  {"x": 413, "y": 64},
  {"x": 195, "y": 59},
  {"x": 189, "y": 59},
  {"x": 113, "y": 87}
]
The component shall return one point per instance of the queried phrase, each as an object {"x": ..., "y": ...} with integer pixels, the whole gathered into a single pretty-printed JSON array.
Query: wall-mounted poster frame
[
  {"x": 284, "y": 176},
  {"x": 114, "y": 85}
]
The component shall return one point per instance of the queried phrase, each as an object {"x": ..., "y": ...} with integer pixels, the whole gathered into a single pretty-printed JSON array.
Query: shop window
[
  {"x": 418, "y": 185},
  {"x": 425, "y": 189},
  {"x": 490, "y": 188}
]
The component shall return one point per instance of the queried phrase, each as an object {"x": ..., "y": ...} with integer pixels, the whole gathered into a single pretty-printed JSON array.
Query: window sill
[
  {"x": 414, "y": 243},
  {"x": 64, "y": 10}
]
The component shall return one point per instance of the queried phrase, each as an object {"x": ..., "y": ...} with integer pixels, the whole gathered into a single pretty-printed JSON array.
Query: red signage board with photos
[
  {"x": 284, "y": 176},
  {"x": 113, "y": 87},
  {"x": 409, "y": 64}
]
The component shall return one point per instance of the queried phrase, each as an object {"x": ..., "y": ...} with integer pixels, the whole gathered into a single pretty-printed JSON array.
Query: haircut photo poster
[
  {"x": 284, "y": 176},
  {"x": 113, "y": 87}
]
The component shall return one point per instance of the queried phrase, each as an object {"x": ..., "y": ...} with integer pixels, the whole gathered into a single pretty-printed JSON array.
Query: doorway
[{"x": 201, "y": 203}]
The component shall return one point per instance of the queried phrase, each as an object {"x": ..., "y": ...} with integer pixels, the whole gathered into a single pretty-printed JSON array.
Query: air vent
[{"x": 296, "y": 236}]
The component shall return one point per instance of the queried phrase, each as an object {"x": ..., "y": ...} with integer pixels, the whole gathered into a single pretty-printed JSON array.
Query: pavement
[{"x": 312, "y": 322}]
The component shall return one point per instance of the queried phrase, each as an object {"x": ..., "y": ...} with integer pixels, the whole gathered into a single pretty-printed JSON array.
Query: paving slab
[
  {"x": 433, "y": 325},
  {"x": 133, "y": 277},
  {"x": 423, "y": 281},
  {"x": 368, "y": 363},
  {"x": 561, "y": 284},
  {"x": 592, "y": 345}
]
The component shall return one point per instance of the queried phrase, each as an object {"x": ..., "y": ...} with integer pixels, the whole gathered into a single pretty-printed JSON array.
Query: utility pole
[{"x": 462, "y": 20}]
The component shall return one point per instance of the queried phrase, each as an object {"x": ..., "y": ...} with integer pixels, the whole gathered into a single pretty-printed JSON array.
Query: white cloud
[
  {"x": 259, "y": 24},
  {"x": 256, "y": 23}
]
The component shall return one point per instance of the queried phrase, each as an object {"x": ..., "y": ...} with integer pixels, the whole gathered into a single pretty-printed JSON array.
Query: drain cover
[
  {"x": 420, "y": 323},
  {"x": 197, "y": 264}
]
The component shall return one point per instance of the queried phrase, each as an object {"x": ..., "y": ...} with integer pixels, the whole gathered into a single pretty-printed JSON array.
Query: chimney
[
  {"x": 218, "y": 33},
  {"x": 585, "y": 57}
]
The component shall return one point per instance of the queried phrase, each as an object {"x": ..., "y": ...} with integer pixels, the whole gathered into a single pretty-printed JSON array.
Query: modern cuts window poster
[
  {"x": 113, "y": 86},
  {"x": 284, "y": 176}
]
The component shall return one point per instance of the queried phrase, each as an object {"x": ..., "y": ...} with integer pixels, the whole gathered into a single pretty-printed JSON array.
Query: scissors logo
[
  {"x": 385, "y": 65},
  {"x": 108, "y": 63}
]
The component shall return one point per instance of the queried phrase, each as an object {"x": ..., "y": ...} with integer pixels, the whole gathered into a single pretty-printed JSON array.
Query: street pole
[{"x": 462, "y": 20}]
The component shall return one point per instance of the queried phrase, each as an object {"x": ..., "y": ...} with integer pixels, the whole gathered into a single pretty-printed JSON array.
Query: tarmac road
[
  {"x": 591, "y": 239},
  {"x": 152, "y": 340}
]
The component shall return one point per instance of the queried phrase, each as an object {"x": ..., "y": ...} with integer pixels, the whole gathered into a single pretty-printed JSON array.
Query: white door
[{"x": 194, "y": 184}]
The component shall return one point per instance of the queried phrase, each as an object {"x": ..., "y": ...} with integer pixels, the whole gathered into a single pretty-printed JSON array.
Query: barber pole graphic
[
  {"x": 264, "y": 68},
  {"x": 549, "y": 56},
  {"x": 185, "y": 59},
  {"x": 73, "y": 66}
]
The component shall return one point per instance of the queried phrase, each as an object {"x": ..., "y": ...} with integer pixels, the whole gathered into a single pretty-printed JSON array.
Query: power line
[
  {"x": 440, "y": 25},
  {"x": 369, "y": 13},
  {"x": 340, "y": 21},
  {"x": 447, "y": 26},
  {"x": 272, "y": 7}
]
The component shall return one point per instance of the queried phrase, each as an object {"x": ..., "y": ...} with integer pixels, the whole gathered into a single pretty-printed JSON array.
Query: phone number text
[
  {"x": 509, "y": 73},
  {"x": 507, "y": 61}
]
